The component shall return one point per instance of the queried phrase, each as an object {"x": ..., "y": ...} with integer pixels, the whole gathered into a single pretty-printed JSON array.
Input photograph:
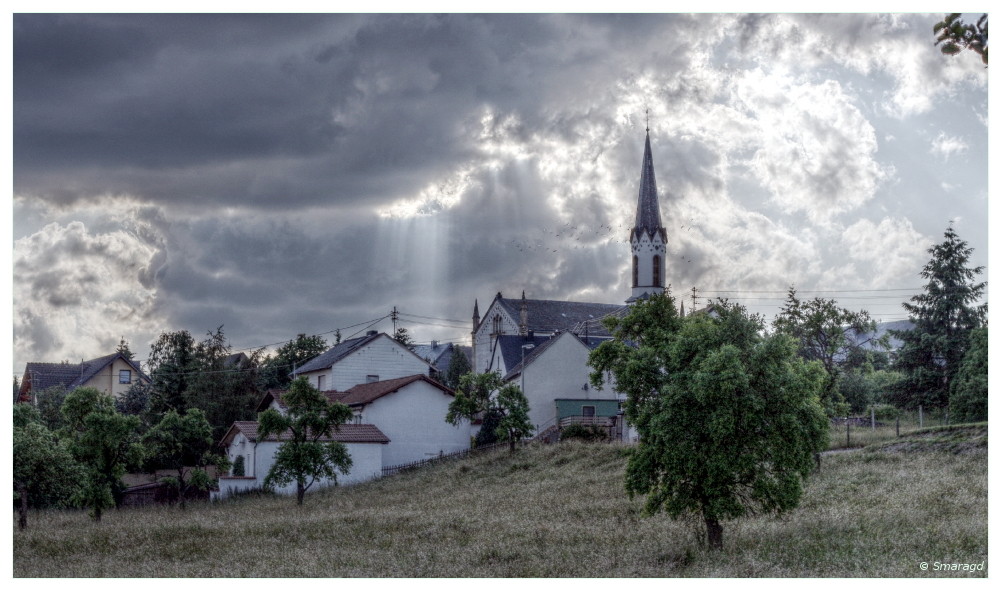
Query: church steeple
[{"x": 648, "y": 238}]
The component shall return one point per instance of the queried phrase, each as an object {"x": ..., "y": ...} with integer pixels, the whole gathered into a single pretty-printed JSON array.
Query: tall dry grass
[{"x": 548, "y": 511}]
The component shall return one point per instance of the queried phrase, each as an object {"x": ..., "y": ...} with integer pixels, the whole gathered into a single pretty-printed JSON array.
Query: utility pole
[
  {"x": 395, "y": 316},
  {"x": 694, "y": 298}
]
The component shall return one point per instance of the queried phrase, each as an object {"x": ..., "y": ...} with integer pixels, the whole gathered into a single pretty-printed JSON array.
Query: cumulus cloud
[
  {"x": 78, "y": 292},
  {"x": 946, "y": 145}
]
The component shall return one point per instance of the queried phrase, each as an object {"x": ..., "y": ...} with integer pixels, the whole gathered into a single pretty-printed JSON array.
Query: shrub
[
  {"x": 883, "y": 412},
  {"x": 579, "y": 431},
  {"x": 239, "y": 467}
]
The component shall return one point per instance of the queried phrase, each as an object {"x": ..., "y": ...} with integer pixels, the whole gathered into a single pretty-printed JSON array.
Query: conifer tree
[{"x": 944, "y": 316}]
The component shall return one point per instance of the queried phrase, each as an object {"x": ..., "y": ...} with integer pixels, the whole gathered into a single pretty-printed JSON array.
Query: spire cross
[{"x": 647, "y": 119}]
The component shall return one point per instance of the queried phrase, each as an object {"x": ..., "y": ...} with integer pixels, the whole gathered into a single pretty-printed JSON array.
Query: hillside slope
[{"x": 548, "y": 511}]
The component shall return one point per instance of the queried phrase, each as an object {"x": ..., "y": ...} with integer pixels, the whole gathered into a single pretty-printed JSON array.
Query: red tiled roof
[
  {"x": 362, "y": 394},
  {"x": 345, "y": 433}
]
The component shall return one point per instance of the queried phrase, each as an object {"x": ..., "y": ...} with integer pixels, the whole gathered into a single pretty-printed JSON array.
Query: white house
[
  {"x": 409, "y": 410},
  {"x": 555, "y": 379},
  {"x": 370, "y": 358},
  {"x": 365, "y": 444}
]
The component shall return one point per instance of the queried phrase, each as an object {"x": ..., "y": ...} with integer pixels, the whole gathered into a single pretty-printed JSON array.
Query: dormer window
[{"x": 371, "y": 379}]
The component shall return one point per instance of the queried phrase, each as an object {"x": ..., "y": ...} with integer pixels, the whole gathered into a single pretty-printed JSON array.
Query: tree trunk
[
  {"x": 513, "y": 442},
  {"x": 300, "y": 492},
  {"x": 22, "y": 511},
  {"x": 714, "y": 533}
]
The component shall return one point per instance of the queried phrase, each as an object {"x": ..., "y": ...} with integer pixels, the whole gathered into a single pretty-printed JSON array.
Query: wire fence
[
  {"x": 860, "y": 431},
  {"x": 393, "y": 469}
]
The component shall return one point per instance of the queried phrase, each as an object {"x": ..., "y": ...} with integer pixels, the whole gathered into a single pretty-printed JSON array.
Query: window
[
  {"x": 371, "y": 379},
  {"x": 319, "y": 382},
  {"x": 635, "y": 271},
  {"x": 588, "y": 411},
  {"x": 125, "y": 376},
  {"x": 657, "y": 281}
]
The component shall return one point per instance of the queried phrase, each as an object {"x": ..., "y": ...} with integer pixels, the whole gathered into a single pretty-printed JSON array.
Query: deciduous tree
[
  {"x": 729, "y": 419},
  {"x": 485, "y": 393},
  {"x": 44, "y": 471},
  {"x": 276, "y": 369},
  {"x": 969, "y": 400},
  {"x": 104, "y": 442},
  {"x": 306, "y": 454},
  {"x": 831, "y": 335},
  {"x": 184, "y": 444},
  {"x": 954, "y": 35}
]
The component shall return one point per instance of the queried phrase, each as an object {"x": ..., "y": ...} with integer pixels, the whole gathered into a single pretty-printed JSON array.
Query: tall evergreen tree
[
  {"x": 459, "y": 366},
  {"x": 944, "y": 316}
]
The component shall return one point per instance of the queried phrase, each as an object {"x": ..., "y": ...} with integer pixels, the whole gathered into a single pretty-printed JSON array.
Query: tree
[
  {"x": 944, "y": 316},
  {"x": 306, "y": 454},
  {"x": 49, "y": 402},
  {"x": 402, "y": 336},
  {"x": 459, "y": 366},
  {"x": 485, "y": 393},
  {"x": 44, "y": 471},
  {"x": 954, "y": 36},
  {"x": 136, "y": 400},
  {"x": 969, "y": 392},
  {"x": 124, "y": 350},
  {"x": 184, "y": 443},
  {"x": 828, "y": 334},
  {"x": 729, "y": 419},
  {"x": 276, "y": 370},
  {"x": 171, "y": 367},
  {"x": 105, "y": 442}
]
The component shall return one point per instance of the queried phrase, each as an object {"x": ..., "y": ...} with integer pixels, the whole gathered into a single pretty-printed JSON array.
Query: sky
[{"x": 286, "y": 174}]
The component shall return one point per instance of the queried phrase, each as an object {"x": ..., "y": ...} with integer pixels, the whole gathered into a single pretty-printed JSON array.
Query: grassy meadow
[{"x": 547, "y": 511}]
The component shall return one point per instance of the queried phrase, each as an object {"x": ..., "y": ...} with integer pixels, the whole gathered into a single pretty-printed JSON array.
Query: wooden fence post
[
  {"x": 848, "y": 434},
  {"x": 897, "y": 425},
  {"x": 873, "y": 419},
  {"x": 920, "y": 412}
]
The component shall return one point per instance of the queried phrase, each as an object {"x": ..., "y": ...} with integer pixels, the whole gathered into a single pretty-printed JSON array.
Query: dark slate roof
[
  {"x": 44, "y": 375},
  {"x": 330, "y": 357},
  {"x": 510, "y": 347},
  {"x": 530, "y": 356},
  {"x": 436, "y": 354},
  {"x": 563, "y": 316},
  {"x": 345, "y": 433},
  {"x": 647, "y": 214}
]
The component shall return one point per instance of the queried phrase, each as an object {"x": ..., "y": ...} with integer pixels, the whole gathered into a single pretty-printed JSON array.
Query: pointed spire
[
  {"x": 475, "y": 316},
  {"x": 647, "y": 214}
]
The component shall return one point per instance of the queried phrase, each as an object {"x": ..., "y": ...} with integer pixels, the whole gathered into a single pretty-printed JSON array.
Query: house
[
  {"x": 555, "y": 379},
  {"x": 364, "y": 443},
  {"x": 112, "y": 374},
  {"x": 439, "y": 355},
  {"x": 367, "y": 359},
  {"x": 409, "y": 410}
]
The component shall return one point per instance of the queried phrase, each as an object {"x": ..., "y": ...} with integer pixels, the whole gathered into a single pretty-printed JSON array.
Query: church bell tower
[{"x": 648, "y": 238}]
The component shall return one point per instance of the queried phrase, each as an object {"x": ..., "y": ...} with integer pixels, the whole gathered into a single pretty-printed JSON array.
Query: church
[{"x": 512, "y": 330}]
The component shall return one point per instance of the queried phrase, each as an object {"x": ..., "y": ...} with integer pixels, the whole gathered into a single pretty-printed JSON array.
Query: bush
[
  {"x": 239, "y": 467},
  {"x": 587, "y": 433},
  {"x": 883, "y": 412}
]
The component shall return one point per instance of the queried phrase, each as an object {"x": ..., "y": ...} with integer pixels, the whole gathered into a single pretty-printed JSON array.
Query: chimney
[
  {"x": 524, "y": 315},
  {"x": 434, "y": 344}
]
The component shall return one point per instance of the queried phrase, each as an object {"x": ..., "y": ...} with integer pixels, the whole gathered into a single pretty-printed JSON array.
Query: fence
[
  {"x": 859, "y": 431},
  {"x": 393, "y": 469}
]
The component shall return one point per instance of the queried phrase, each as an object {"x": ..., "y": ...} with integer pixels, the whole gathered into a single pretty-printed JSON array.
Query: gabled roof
[
  {"x": 342, "y": 350},
  {"x": 45, "y": 375},
  {"x": 563, "y": 316},
  {"x": 330, "y": 357},
  {"x": 345, "y": 433},
  {"x": 366, "y": 393},
  {"x": 510, "y": 346},
  {"x": 537, "y": 352},
  {"x": 358, "y": 395}
]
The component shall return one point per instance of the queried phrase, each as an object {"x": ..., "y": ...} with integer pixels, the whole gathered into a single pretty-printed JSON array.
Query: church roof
[
  {"x": 647, "y": 214},
  {"x": 510, "y": 347},
  {"x": 565, "y": 316}
]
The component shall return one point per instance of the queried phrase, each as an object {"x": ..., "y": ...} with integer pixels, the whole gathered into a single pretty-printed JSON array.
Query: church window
[
  {"x": 657, "y": 280},
  {"x": 635, "y": 271}
]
